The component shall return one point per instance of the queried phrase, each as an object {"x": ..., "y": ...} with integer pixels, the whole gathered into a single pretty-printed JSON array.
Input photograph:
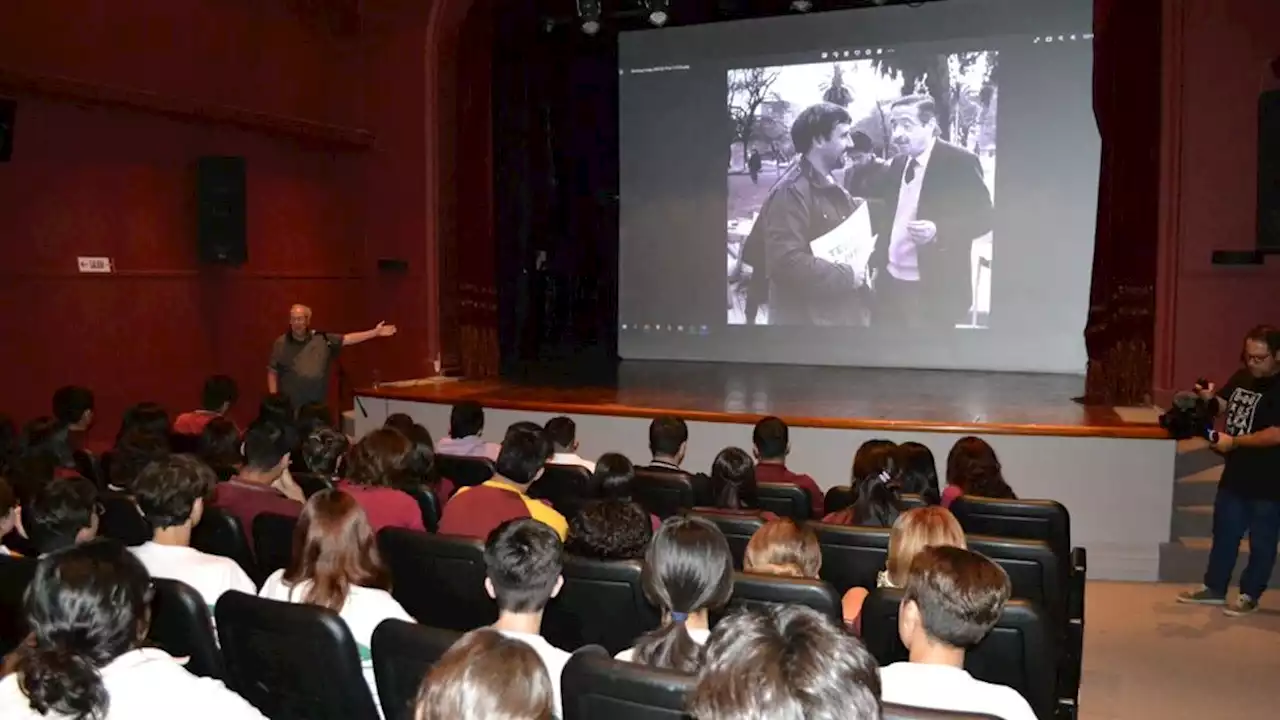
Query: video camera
[{"x": 1191, "y": 416}]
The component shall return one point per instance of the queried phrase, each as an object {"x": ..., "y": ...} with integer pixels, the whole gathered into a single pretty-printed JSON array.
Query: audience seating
[
  {"x": 902, "y": 712},
  {"x": 439, "y": 579},
  {"x": 752, "y": 590},
  {"x": 15, "y": 574},
  {"x": 181, "y": 443},
  {"x": 88, "y": 467},
  {"x": 104, "y": 468},
  {"x": 596, "y": 686},
  {"x": 566, "y": 487},
  {"x": 1036, "y": 572},
  {"x": 220, "y": 533},
  {"x": 465, "y": 471},
  {"x": 311, "y": 483},
  {"x": 428, "y": 505},
  {"x": 785, "y": 500},
  {"x": 601, "y": 603},
  {"x": 121, "y": 519},
  {"x": 841, "y": 497},
  {"x": 663, "y": 492},
  {"x": 182, "y": 626},
  {"x": 737, "y": 528},
  {"x": 1020, "y": 651},
  {"x": 273, "y": 542},
  {"x": 403, "y": 654},
  {"x": 292, "y": 660},
  {"x": 852, "y": 555}
]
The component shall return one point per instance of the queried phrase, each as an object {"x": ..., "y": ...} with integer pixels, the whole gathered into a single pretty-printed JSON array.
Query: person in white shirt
[
  {"x": 337, "y": 566},
  {"x": 688, "y": 572},
  {"x": 785, "y": 662},
  {"x": 170, "y": 493},
  {"x": 952, "y": 599},
  {"x": 486, "y": 675},
  {"x": 563, "y": 433},
  {"x": 523, "y": 560},
  {"x": 88, "y": 607},
  {"x": 466, "y": 425}
]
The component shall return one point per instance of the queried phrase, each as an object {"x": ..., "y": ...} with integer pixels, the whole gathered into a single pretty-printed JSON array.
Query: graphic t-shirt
[{"x": 1253, "y": 405}]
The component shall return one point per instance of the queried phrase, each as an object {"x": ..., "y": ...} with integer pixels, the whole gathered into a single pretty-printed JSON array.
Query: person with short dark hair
[
  {"x": 43, "y": 437},
  {"x": 399, "y": 421},
  {"x": 771, "y": 440},
  {"x": 486, "y": 676},
  {"x": 276, "y": 408},
  {"x": 785, "y": 662},
  {"x": 563, "y": 432},
  {"x": 263, "y": 484},
  {"x": 476, "y": 511},
  {"x": 974, "y": 469},
  {"x": 73, "y": 411},
  {"x": 877, "y": 501},
  {"x": 374, "y": 465},
  {"x": 466, "y": 425},
  {"x": 148, "y": 417},
  {"x": 952, "y": 599},
  {"x": 420, "y": 466},
  {"x": 63, "y": 512},
  {"x": 216, "y": 398},
  {"x": 523, "y": 559},
  {"x": 669, "y": 441},
  {"x": 219, "y": 446},
  {"x": 302, "y": 358},
  {"x": 137, "y": 449},
  {"x": 171, "y": 494},
  {"x": 89, "y": 609}
]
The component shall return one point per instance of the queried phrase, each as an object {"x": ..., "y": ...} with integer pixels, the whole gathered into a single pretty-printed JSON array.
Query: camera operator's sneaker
[
  {"x": 1203, "y": 596},
  {"x": 1244, "y": 605}
]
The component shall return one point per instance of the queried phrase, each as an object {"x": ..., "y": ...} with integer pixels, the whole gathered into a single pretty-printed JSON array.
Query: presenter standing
[{"x": 302, "y": 359}]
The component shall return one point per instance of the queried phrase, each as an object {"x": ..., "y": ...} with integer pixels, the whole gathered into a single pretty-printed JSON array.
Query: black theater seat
[
  {"x": 596, "y": 686},
  {"x": 566, "y": 487},
  {"x": 663, "y": 492},
  {"x": 785, "y": 500},
  {"x": 273, "y": 541},
  {"x": 752, "y": 590},
  {"x": 902, "y": 712},
  {"x": 852, "y": 555},
  {"x": 439, "y": 579},
  {"x": 220, "y": 533},
  {"x": 15, "y": 575},
  {"x": 465, "y": 471},
  {"x": 737, "y": 528},
  {"x": 182, "y": 625},
  {"x": 403, "y": 654},
  {"x": 601, "y": 603}
]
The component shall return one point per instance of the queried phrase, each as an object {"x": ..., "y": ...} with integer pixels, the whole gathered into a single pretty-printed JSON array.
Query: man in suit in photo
[{"x": 935, "y": 205}]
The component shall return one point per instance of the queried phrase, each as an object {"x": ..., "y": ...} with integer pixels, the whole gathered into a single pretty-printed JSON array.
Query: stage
[{"x": 1113, "y": 472}]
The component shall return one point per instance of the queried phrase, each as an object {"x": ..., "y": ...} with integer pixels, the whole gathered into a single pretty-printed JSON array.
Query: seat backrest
[
  {"x": 566, "y": 487},
  {"x": 601, "y": 603},
  {"x": 852, "y": 555},
  {"x": 597, "y": 686},
  {"x": 1035, "y": 571},
  {"x": 273, "y": 541},
  {"x": 403, "y": 654},
  {"x": 913, "y": 500},
  {"x": 292, "y": 660},
  {"x": 784, "y": 500},
  {"x": 1045, "y": 520},
  {"x": 182, "y": 625},
  {"x": 219, "y": 533},
  {"x": 737, "y": 528},
  {"x": 184, "y": 443},
  {"x": 439, "y": 579},
  {"x": 122, "y": 520},
  {"x": 903, "y": 712},
  {"x": 663, "y": 492},
  {"x": 465, "y": 471},
  {"x": 837, "y": 498},
  {"x": 88, "y": 467},
  {"x": 15, "y": 575},
  {"x": 428, "y": 504},
  {"x": 1021, "y": 651},
  {"x": 752, "y": 590}
]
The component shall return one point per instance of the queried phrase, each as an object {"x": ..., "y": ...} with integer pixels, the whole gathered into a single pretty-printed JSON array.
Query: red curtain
[{"x": 1120, "y": 331}]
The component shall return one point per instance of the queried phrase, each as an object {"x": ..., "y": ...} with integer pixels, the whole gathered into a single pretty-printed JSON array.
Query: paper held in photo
[{"x": 849, "y": 243}]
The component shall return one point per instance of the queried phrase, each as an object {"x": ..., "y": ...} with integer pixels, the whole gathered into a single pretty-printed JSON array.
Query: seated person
[
  {"x": 476, "y": 511},
  {"x": 336, "y": 565},
  {"x": 688, "y": 572},
  {"x": 564, "y": 440},
  {"x": 953, "y": 597},
  {"x": 486, "y": 675},
  {"x": 43, "y": 436},
  {"x": 73, "y": 412},
  {"x": 135, "y": 450},
  {"x": 466, "y": 425},
  {"x": 219, "y": 448},
  {"x": 785, "y": 662},
  {"x": 772, "y": 442},
  {"x": 372, "y": 466},
  {"x": 323, "y": 452},
  {"x": 974, "y": 469},
  {"x": 89, "y": 608},
  {"x": 783, "y": 547},
  {"x": 170, "y": 493},
  {"x": 8, "y": 516},
  {"x": 876, "y": 499},
  {"x": 262, "y": 485},
  {"x": 276, "y": 408},
  {"x": 668, "y": 441},
  {"x": 609, "y": 530},
  {"x": 217, "y": 397},
  {"x": 733, "y": 480},
  {"x": 62, "y": 513},
  {"x": 919, "y": 474},
  {"x": 399, "y": 421},
  {"x": 615, "y": 479},
  {"x": 420, "y": 465},
  {"x": 312, "y": 417},
  {"x": 523, "y": 560},
  {"x": 148, "y": 417},
  {"x": 914, "y": 530}
]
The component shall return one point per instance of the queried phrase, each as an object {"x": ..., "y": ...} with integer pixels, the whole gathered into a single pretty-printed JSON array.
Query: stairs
[{"x": 1184, "y": 558}]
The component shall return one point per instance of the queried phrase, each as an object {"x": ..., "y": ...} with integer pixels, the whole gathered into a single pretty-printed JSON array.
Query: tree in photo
[
  {"x": 748, "y": 90},
  {"x": 923, "y": 73}
]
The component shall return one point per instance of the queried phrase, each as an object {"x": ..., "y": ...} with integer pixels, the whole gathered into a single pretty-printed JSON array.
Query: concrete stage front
[{"x": 1115, "y": 476}]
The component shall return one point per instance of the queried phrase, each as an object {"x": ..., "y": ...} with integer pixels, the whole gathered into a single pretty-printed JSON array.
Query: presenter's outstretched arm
[{"x": 382, "y": 330}]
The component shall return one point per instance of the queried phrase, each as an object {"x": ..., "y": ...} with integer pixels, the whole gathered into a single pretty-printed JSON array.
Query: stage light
[
  {"x": 657, "y": 12},
  {"x": 801, "y": 5},
  {"x": 589, "y": 13}
]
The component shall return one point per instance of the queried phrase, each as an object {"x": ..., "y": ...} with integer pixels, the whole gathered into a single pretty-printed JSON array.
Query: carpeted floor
[{"x": 1147, "y": 657}]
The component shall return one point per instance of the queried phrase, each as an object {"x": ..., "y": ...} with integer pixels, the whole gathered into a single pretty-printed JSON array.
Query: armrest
[
  {"x": 1072, "y": 662},
  {"x": 1065, "y": 710},
  {"x": 1079, "y": 560},
  {"x": 1075, "y": 589}
]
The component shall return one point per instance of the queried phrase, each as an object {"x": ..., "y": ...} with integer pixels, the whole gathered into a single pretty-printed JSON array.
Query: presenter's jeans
[{"x": 1233, "y": 517}]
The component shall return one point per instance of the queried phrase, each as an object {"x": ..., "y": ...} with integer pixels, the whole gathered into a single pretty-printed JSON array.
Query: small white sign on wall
[{"x": 95, "y": 265}]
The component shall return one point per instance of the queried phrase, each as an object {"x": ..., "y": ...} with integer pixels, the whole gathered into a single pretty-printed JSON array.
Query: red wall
[
  {"x": 118, "y": 181},
  {"x": 1216, "y": 64}
]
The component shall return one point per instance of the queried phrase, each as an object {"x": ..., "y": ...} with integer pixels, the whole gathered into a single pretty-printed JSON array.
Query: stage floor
[{"x": 819, "y": 397}]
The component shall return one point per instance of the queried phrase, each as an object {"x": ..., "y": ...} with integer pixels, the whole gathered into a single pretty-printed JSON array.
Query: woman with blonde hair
[
  {"x": 914, "y": 531},
  {"x": 486, "y": 676},
  {"x": 783, "y": 547}
]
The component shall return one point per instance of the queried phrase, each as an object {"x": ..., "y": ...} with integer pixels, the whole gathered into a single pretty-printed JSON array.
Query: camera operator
[{"x": 1248, "y": 498}]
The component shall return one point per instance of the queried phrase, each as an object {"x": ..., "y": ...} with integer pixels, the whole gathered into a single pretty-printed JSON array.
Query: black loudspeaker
[
  {"x": 1269, "y": 170},
  {"x": 220, "y": 188},
  {"x": 8, "y": 112}
]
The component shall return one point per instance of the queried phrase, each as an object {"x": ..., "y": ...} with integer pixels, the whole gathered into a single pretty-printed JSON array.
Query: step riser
[
  {"x": 1194, "y": 493},
  {"x": 1192, "y": 524},
  {"x": 1179, "y": 564}
]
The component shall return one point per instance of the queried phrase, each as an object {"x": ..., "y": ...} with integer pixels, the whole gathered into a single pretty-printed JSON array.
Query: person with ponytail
[
  {"x": 877, "y": 499},
  {"x": 733, "y": 479},
  {"x": 688, "y": 572},
  {"x": 88, "y": 608}
]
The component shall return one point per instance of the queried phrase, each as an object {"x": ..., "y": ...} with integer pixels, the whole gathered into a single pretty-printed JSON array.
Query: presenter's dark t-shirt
[
  {"x": 1253, "y": 405},
  {"x": 303, "y": 366}
]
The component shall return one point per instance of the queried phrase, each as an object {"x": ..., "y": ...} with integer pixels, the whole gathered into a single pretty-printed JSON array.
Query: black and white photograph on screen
[{"x": 861, "y": 191}]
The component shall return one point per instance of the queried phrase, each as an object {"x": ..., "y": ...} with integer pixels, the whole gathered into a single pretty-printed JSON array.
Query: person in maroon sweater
[
  {"x": 262, "y": 485},
  {"x": 374, "y": 465},
  {"x": 772, "y": 445}
]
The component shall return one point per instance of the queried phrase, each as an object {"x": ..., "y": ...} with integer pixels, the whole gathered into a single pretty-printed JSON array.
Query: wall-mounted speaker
[
  {"x": 220, "y": 190},
  {"x": 8, "y": 113},
  {"x": 1269, "y": 170}
]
